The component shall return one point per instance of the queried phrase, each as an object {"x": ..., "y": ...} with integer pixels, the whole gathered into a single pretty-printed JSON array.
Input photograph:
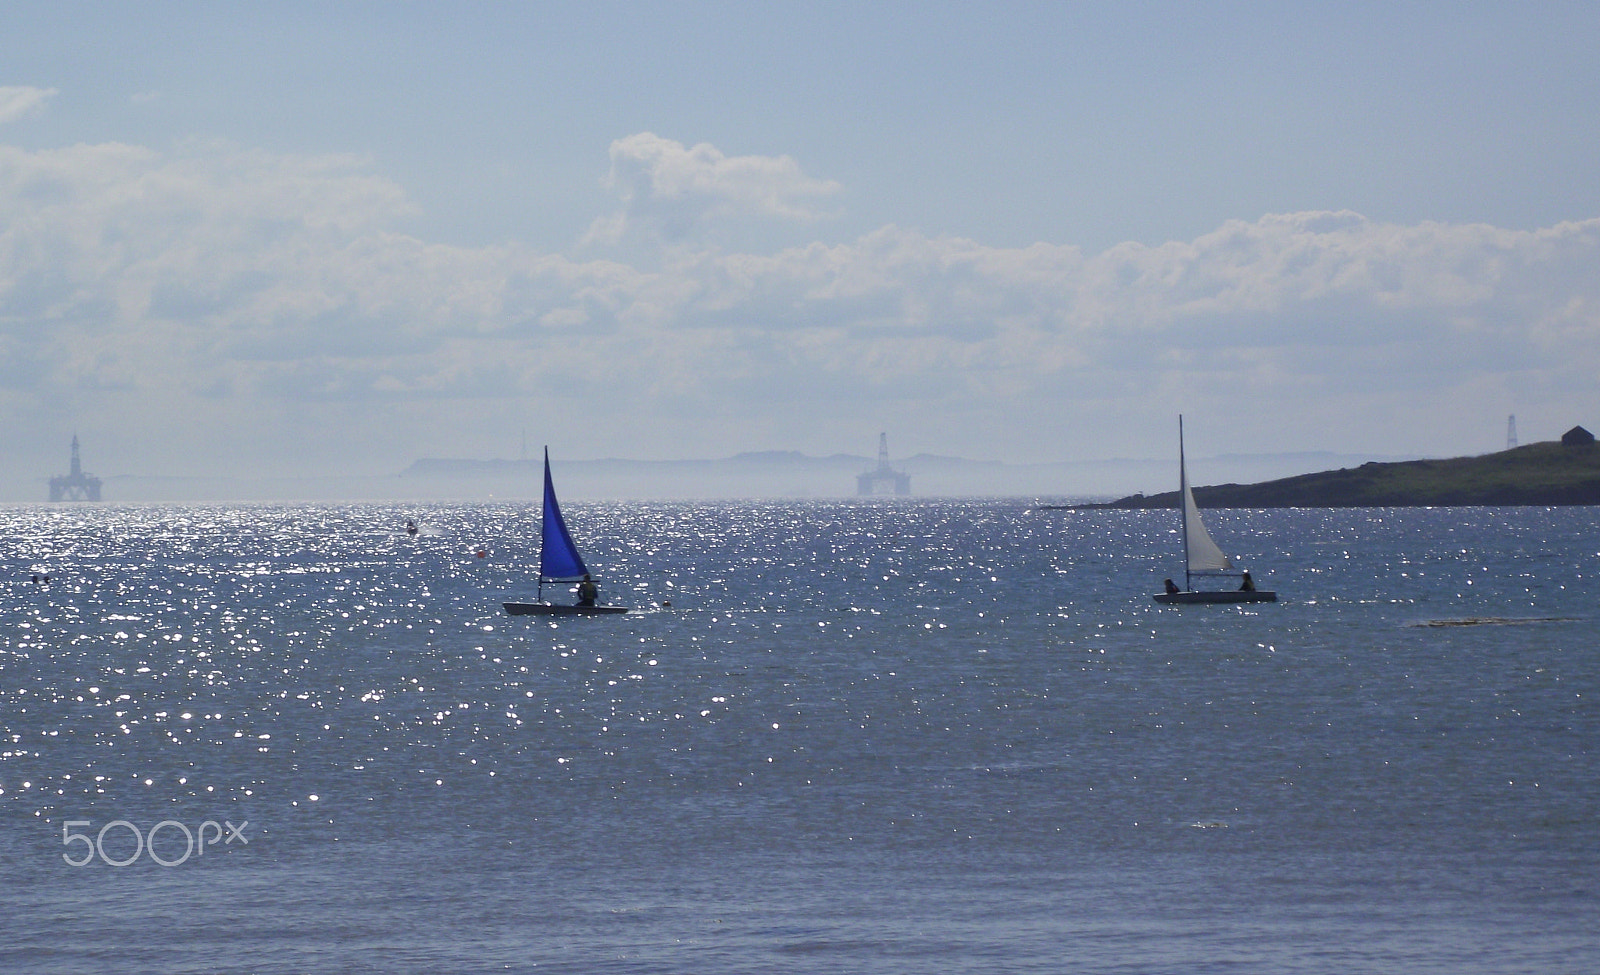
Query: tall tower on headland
[
  {"x": 1511, "y": 432},
  {"x": 885, "y": 478},
  {"x": 75, "y": 486}
]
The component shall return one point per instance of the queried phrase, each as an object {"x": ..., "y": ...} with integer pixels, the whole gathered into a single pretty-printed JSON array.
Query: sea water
[{"x": 865, "y": 736}]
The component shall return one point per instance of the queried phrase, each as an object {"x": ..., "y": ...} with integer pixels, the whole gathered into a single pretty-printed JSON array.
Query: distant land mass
[
  {"x": 752, "y": 475},
  {"x": 1547, "y": 473},
  {"x": 791, "y": 474}
]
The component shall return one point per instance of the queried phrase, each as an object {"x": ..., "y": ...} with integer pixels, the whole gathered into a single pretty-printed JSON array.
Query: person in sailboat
[
  {"x": 587, "y": 591},
  {"x": 1172, "y": 587},
  {"x": 1248, "y": 585}
]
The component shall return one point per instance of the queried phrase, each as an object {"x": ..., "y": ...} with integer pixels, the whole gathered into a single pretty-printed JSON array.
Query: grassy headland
[{"x": 1537, "y": 474}]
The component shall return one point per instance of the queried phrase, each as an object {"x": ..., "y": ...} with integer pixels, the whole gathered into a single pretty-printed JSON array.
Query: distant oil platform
[
  {"x": 76, "y": 486},
  {"x": 885, "y": 479}
]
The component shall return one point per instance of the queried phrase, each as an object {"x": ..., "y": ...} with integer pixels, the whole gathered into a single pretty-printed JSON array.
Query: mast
[
  {"x": 1183, "y": 505},
  {"x": 544, "y": 513}
]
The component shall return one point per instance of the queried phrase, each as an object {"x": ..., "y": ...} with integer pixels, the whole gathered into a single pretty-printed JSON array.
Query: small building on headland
[
  {"x": 75, "y": 486},
  {"x": 885, "y": 478},
  {"x": 1577, "y": 437}
]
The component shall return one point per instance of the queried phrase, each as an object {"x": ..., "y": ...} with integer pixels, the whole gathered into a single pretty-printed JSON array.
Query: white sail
[{"x": 1202, "y": 552}]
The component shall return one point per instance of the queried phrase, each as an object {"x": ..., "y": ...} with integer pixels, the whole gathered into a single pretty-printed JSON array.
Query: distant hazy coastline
[{"x": 764, "y": 474}]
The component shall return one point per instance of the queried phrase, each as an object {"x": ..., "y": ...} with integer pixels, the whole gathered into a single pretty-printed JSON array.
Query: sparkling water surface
[{"x": 907, "y": 736}]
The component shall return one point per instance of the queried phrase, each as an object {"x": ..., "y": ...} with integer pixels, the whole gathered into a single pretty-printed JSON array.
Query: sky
[{"x": 300, "y": 239}]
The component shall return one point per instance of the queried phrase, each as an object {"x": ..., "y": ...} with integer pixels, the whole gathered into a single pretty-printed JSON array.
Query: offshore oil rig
[
  {"x": 76, "y": 486},
  {"x": 885, "y": 478}
]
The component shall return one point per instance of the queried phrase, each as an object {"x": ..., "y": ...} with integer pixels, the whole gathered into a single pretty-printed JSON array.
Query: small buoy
[{"x": 483, "y": 553}]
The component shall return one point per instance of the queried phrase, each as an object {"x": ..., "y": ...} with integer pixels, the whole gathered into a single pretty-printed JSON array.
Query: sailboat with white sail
[
  {"x": 560, "y": 562},
  {"x": 1203, "y": 558}
]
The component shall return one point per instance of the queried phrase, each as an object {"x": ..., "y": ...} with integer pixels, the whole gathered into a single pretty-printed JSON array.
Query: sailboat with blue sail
[
  {"x": 1203, "y": 557},
  {"x": 560, "y": 562}
]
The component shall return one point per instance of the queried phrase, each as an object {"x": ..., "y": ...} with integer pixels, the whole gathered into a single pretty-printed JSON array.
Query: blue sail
[{"x": 559, "y": 560}]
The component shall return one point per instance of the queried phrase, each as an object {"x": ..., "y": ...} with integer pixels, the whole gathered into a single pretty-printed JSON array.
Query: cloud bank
[
  {"x": 671, "y": 192},
  {"x": 20, "y": 101},
  {"x": 220, "y": 305}
]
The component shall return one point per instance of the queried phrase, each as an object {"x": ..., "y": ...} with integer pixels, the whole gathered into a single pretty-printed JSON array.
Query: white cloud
[
  {"x": 255, "y": 303},
  {"x": 19, "y": 101},
  {"x": 675, "y": 191}
]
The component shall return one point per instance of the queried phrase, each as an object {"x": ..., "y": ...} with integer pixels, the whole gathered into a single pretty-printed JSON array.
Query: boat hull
[
  {"x": 551, "y": 609},
  {"x": 1217, "y": 596}
]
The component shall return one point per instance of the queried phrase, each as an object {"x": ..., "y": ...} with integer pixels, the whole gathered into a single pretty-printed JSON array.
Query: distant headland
[{"x": 1549, "y": 473}]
